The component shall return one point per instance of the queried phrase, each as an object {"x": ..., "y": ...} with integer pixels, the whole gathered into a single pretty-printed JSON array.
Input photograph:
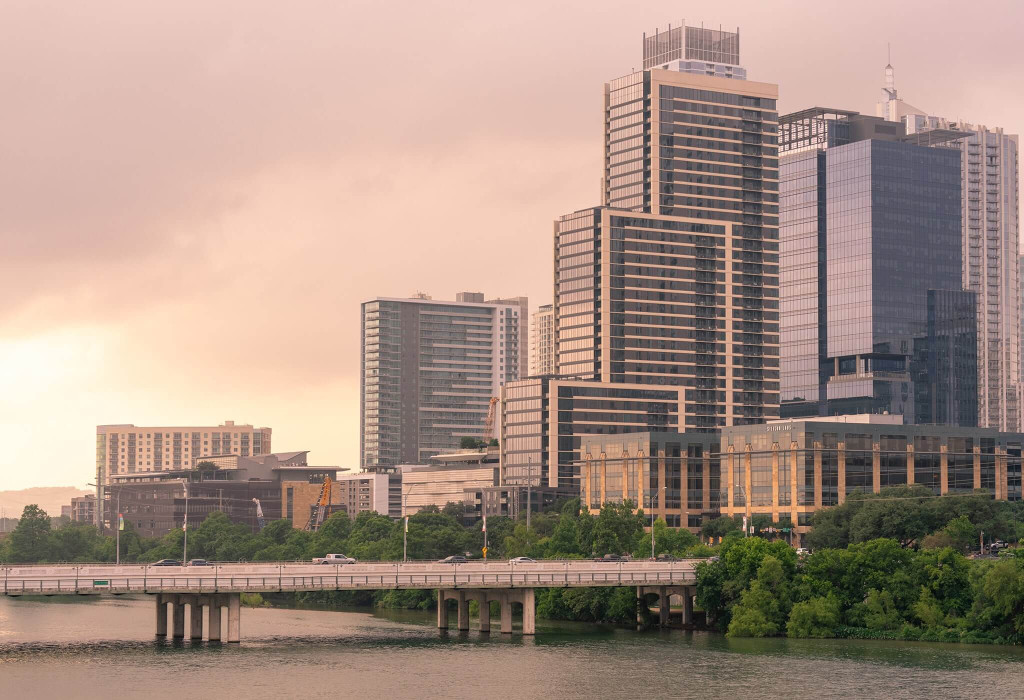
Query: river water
[{"x": 103, "y": 647}]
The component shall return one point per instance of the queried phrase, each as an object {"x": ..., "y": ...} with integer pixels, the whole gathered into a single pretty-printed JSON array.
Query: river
[{"x": 103, "y": 647}]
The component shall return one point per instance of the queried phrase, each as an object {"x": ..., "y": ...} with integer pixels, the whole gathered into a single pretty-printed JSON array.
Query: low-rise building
[
  {"x": 156, "y": 502},
  {"x": 83, "y": 509},
  {"x": 786, "y": 470}
]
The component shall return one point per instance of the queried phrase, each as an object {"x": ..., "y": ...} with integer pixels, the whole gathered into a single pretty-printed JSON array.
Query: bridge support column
[
  {"x": 195, "y": 618},
  {"x": 640, "y": 605},
  {"x": 506, "y": 613},
  {"x": 688, "y": 606},
  {"x": 234, "y": 617},
  {"x": 463, "y": 612},
  {"x": 485, "y": 613},
  {"x": 442, "y": 610},
  {"x": 178, "y": 617},
  {"x": 529, "y": 612},
  {"x": 663, "y": 606},
  {"x": 161, "y": 615},
  {"x": 213, "y": 624}
]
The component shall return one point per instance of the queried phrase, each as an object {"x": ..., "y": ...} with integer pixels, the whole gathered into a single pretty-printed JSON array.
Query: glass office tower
[{"x": 871, "y": 272}]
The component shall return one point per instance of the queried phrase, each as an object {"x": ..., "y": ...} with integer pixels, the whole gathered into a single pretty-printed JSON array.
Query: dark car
[
  {"x": 166, "y": 562},
  {"x": 453, "y": 559},
  {"x": 611, "y": 557},
  {"x": 665, "y": 556},
  {"x": 197, "y": 562}
]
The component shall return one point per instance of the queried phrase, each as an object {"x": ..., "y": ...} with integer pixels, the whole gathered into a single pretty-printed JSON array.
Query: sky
[{"x": 195, "y": 197}]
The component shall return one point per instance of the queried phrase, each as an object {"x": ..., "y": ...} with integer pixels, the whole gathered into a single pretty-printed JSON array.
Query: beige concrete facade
[
  {"x": 439, "y": 485},
  {"x": 542, "y": 341}
]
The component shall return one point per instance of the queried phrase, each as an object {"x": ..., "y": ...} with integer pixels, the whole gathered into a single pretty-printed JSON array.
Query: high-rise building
[
  {"x": 542, "y": 341},
  {"x": 990, "y": 228},
  {"x": 872, "y": 302},
  {"x": 666, "y": 296},
  {"x": 429, "y": 372}
]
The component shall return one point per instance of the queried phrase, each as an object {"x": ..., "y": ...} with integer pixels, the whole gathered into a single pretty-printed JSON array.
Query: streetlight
[
  {"x": 117, "y": 528},
  {"x": 652, "y": 518},
  {"x": 405, "y": 515}
]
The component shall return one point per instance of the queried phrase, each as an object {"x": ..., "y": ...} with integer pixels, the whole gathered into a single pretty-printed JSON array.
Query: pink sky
[{"x": 195, "y": 199}]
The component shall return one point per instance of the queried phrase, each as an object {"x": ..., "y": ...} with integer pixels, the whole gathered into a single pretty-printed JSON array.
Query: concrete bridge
[{"x": 218, "y": 587}]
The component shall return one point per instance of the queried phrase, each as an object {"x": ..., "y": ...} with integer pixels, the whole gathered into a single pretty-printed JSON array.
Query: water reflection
[{"x": 99, "y": 647}]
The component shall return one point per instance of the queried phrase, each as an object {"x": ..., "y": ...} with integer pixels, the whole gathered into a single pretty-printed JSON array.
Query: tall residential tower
[
  {"x": 429, "y": 372},
  {"x": 666, "y": 308}
]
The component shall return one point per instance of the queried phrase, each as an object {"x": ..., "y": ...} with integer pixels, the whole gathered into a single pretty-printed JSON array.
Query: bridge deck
[{"x": 270, "y": 577}]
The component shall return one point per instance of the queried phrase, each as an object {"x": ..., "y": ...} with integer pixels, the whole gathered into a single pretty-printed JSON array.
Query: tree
[
  {"x": 720, "y": 527},
  {"x": 961, "y": 532},
  {"x": 765, "y": 605},
  {"x": 205, "y": 467},
  {"x": 30, "y": 541},
  {"x": 817, "y": 617},
  {"x": 880, "y": 611},
  {"x": 471, "y": 443}
]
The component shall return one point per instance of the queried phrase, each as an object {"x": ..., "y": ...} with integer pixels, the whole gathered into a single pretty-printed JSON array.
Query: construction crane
[
  {"x": 489, "y": 423},
  {"x": 259, "y": 514},
  {"x": 316, "y": 518}
]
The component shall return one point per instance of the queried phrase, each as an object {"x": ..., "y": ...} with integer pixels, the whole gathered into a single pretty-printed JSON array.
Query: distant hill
[{"x": 49, "y": 498}]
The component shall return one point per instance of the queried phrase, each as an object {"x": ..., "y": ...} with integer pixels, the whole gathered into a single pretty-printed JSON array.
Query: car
[
  {"x": 166, "y": 562},
  {"x": 197, "y": 562},
  {"x": 522, "y": 560},
  {"x": 334, "y": 559},
  {"x": 665, "y": 556},
  {"x": 611, "y": 557},
  {"x": 453, "y": 559}
]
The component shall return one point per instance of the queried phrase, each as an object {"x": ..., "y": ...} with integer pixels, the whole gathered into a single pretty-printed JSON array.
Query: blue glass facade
[{"x": 873, "y": 309}]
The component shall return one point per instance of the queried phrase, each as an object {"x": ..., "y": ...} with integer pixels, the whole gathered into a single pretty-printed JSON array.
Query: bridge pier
[
  {"x": 234, "y": 617},
  {"x": 463, "y": 612},
  {"x": 195, "y": 625},
  {"x": 213, "y": 624},
  {"x": 665, "y": 594},
  {"x": 161, "y": 615},
  {"x": 485, "y": 615},
  {"x": 178, "y": 617},
  {"x": 505, "y": 598}
]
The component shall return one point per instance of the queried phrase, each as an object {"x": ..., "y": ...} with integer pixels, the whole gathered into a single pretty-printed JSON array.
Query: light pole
[
  {"x": 184, "y": 525},
  {"x": 529, "y": 500},
  {"x": 117, "y": 527},
  {"x": 652, "y": 518},
  {"x": 405, "y": 523}
]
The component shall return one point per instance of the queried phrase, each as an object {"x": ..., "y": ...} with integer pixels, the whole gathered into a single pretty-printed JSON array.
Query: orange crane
[
  {"x": 489, "y": 423},
  {"x": 316, "y": 518}
]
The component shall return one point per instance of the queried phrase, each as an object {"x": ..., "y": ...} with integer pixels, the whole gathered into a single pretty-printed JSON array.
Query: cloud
[{"x": 195, "y": 198}]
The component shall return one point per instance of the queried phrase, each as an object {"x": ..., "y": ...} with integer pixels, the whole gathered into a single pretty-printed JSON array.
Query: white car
[
  {"x": 334, "y": 559},
  {"x": 522, "y": 560}
]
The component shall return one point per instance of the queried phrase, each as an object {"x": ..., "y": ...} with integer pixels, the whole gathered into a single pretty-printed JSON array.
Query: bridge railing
[{"x": 267, "y": 577}]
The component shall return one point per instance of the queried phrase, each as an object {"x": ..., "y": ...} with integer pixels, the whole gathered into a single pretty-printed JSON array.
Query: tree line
[{"x": 884, "y": 565}]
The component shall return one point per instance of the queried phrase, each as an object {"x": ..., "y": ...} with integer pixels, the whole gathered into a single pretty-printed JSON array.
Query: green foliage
[
  {"x": 913, "y": 514},
  {"x": 765, "y": 605},
  {"x": 30, "y": 541},
  {"x": 721, "y": 584},
  {"x": 589, "y": 604},
  {"x": 817, "y": 618}
]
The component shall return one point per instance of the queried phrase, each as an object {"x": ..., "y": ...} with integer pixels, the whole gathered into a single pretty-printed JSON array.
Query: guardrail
[{"x": 263, "y": 578}]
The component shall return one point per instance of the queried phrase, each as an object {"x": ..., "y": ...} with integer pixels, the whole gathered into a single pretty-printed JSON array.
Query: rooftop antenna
[{"x": 890, "y": 80}]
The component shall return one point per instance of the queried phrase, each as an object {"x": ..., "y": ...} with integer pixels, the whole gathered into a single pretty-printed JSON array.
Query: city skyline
[{"x": 206, "y": 267}]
